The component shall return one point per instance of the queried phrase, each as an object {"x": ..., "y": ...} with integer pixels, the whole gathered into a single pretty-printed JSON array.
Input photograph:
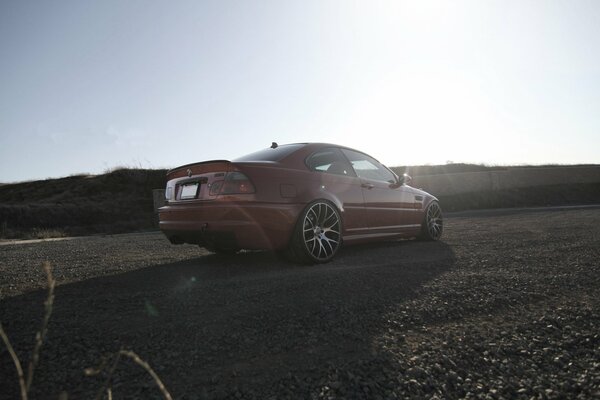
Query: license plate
[{"x": 189, "y": 191}]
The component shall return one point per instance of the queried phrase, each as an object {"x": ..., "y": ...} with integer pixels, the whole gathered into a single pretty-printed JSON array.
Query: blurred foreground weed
[{"x": 108, "y": 365}]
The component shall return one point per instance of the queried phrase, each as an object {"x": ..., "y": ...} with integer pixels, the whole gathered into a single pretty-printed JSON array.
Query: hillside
[
  {"x": 471, "y": 186},
  {"x": 116, "y": 202},
  {"x": 121, "y": 201}
]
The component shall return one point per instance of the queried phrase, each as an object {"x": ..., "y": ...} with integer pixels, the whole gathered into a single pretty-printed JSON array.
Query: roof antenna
[{"x": 274, "y": 145}]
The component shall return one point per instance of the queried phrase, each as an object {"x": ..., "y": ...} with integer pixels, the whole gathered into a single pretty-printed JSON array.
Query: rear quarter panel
[{"x": 278, "y": 184}]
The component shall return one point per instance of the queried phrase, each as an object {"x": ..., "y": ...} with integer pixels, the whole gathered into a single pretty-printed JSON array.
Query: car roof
[{"x": 295, "y": 158}]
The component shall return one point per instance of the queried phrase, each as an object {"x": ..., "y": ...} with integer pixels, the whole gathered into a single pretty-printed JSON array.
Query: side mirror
[{"x": 404, "y": 179}]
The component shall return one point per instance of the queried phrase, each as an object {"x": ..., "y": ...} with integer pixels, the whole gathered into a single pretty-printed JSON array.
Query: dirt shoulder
[{"x": 505, "y": 306}]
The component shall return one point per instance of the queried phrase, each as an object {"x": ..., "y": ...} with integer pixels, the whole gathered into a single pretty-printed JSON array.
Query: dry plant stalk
[
  {"x": 16, "y": 362},
  {"x": 111, "y": 371},
  {"x": 148, "y": 369},
  {"x": 41, "y": 335},
  {"x": 117, "y": 357},
  {"x": 25, "y": 384}
]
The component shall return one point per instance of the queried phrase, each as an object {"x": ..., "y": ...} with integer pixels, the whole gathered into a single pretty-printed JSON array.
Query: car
[{"x": 301, "y": 199}]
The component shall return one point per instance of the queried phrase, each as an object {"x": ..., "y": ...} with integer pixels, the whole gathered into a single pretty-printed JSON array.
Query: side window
[
  {"x": 369, "y": 168},
  {"x": 330, "y": 161}
]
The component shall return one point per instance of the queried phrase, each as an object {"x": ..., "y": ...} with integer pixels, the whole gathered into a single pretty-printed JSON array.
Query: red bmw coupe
[{"x": 305, "y": 199}]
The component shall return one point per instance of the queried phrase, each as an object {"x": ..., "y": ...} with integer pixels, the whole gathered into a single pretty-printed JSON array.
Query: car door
[
  {"x": 336, "y": 176},
  {"x": 389, "y": 205}
]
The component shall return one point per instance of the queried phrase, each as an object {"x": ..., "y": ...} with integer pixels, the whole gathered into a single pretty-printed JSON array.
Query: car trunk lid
[
  {"x": 194, "y": 181},
  {"x": 207, "y": 181}
]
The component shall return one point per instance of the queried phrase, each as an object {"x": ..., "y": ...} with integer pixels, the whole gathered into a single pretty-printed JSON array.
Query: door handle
[{"x": 367, "y": 186}]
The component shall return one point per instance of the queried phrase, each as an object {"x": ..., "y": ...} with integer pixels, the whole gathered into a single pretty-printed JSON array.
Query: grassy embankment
[
  {"x": 121, "y": 201},
  {"x": 536, "y": 196},
  {"x": 117, "y": 202}
]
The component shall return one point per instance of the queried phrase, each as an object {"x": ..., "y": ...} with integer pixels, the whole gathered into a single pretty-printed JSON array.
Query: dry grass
[
  {"x": 35, "y": 233},
  {"x": 45, "y": 233},
  {"x": 26, "y": 381}
]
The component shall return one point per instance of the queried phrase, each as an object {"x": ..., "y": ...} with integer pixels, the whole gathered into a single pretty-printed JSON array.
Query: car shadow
[{"x": 214, "y": 326}]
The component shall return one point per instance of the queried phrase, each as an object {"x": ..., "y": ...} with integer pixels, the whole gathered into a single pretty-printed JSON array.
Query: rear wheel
[
  {"x": 433, "y": 222},
  {"x": 317, "y": 236}
]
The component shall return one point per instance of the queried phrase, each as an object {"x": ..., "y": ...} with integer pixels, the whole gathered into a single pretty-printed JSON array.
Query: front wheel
[
  {"x": 317, "y": 236},
  {"x": 433, "y": 222}
]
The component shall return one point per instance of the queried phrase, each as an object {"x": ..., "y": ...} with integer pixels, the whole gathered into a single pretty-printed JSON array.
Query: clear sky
[{"x": 86, "y": 86}]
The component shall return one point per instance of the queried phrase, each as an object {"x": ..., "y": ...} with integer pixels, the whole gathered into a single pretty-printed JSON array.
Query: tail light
[{"x": 234, "y": 183}]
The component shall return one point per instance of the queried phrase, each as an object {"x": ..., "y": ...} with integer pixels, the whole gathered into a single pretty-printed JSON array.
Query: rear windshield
[{"x": 270, "y": 154}]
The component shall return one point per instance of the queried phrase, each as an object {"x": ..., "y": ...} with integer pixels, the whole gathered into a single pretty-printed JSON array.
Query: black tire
[
  {"x": 317, "y": 235},
  {"x": 432, "y": 226}
]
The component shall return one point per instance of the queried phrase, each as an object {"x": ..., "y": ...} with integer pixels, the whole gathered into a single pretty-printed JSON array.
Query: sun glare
[{"x": 445, "y": 114}]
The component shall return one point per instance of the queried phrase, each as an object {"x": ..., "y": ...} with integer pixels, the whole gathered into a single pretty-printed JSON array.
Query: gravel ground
[{"x": 504, "y": 307}]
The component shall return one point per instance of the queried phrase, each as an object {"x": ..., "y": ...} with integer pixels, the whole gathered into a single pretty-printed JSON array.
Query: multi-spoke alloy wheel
[
  {"x": 318, "y": 233},
  {"x": 321, "y": 231},
  {"x": 433, "y": 224}
]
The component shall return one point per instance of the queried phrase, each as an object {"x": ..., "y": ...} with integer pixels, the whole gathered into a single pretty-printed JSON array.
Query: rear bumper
[{"x": 231, "y": 225}]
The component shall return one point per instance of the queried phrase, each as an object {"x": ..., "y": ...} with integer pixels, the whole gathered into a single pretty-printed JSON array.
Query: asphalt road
[{"x": 505, "y": 306}]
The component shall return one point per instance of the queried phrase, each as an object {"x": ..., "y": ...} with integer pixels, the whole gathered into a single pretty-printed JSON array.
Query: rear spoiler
[{"x": 200, "y": 168}]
